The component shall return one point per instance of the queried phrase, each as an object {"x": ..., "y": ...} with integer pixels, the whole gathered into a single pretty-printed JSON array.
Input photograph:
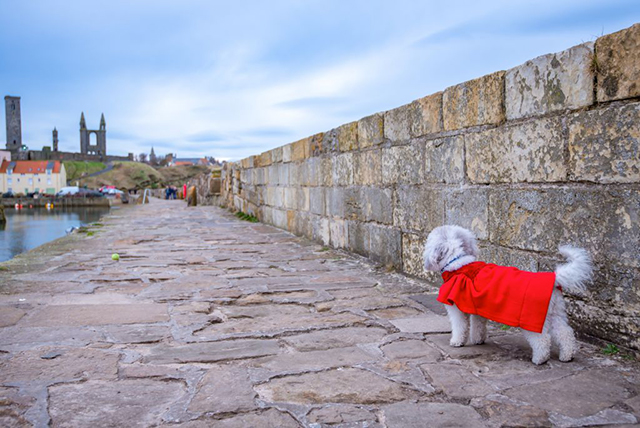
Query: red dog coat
[{"x": 503, "y": 294}]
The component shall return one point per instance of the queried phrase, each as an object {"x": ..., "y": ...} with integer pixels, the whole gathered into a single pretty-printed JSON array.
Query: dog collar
[{"x": 453, "y": 260}]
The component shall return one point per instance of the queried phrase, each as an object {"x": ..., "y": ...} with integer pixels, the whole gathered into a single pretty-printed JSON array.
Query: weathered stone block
[
  {"x": 247, "y": 162},
  {"x": 444, "y": 160},
  {"x": 258, "y": 176},
  {"x": 418, "y": 208},
  {"x": 508, "y": 257},
  {"x": 604, "y": 145},
  {"x": 330, "y": 141},
  {"x": 343, "y": 170},
  {"x": 315, "y": 144},
  {"x": 317, "y": 199},
  {"x": 335, "y": 202},
  {"x": 385, "y": 245},
  {"x": 533, "y": 151},
  {"x": 371, "y": 130},
  {"x": 290, "y": 198},
  {"x": 300, "y": 150},
  {"x": 377, "y": 204},
  {"x": 276, "y": 155},
  {"x": 403, "y": 164},
  {"x": 397, "y": 124},
  {"x": 368, "y": 169},
  {"x": 412, "y": 249},
  {"x": 264, "y": 159},
  {"x": 469, "y": 208},
  {"x": 273, "y": 174},
  {"x": 476, "y": 102},
  {"x": 279, "y": 218},
  {"x": 359, "y": 237},
  {"x": 427, "y": 115},
  {"x": 353, "y": 204},
  {"x": 348, "y": 137},
  {"x": 339, "y": 234},
  {"x": 607, "y": 223},
  {"x": 287, "y": 152},
  {"x": 618, "y": 64},
  {"x": 284, "y": 174},
  {"x": 552, "y": 82},
  {"x": 320, "y": 226}
]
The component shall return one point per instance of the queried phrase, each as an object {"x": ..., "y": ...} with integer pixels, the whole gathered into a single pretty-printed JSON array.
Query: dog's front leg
[
  {"x": 478, "y": 330},
  {"x": 459, "y": 325}
]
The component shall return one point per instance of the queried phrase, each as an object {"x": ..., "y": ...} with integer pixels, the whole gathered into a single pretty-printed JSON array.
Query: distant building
[
  {"x": 178, "y": 163},
  {"x": 32, "y": 176},
  {"x": 5, "y": 155}
]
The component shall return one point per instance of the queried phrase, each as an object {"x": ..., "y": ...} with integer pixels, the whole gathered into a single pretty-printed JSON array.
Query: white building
[{"x": 32, "y": 176}]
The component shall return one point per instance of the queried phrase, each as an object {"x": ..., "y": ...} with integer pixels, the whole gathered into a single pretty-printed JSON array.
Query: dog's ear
[
  {"x": 469, "y": 241},
  {"x": 433, "y": 255}
]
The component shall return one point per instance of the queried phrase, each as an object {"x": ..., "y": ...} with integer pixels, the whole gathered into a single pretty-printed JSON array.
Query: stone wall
[{"x": 529, "y": 158}]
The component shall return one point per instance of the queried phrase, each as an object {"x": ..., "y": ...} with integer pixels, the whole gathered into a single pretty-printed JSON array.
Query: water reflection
[{"x": 29, "y": 228}]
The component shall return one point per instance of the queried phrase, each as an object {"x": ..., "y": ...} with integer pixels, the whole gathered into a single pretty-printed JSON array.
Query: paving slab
[{"x": 429, "y": 323}]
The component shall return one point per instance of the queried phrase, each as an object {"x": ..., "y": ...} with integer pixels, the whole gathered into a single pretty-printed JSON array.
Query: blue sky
[{"x": 232, "y": 79}]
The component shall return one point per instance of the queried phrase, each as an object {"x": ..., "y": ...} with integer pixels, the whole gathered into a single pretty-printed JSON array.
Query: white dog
[{"x": 532, "y": 301}]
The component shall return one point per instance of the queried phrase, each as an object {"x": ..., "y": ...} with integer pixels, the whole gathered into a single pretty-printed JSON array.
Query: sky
[{"x": 230, "y": 79}]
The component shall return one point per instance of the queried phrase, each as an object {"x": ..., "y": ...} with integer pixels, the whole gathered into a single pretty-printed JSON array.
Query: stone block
[
  {"x": 476, "y": 102},
  {"x": 469, "y": 208},
  {"x": 279, "y": 218},
  {"x": 397, "y": 124},
  {"x": 224, "y": 389},
  {"x": 548, "y": 83},
  {"x": 604, "y": 145},
  {"x": 403, "y": 164},
  {"x": 284, "y": 174},
  {"x": 320, "y": 226},
  {"x": 300, "y": 150},
  {"x": 264, "y": 159},
  {"x": 385, "y": 245},
  {"x": 407, "y": 414},
  {"x": 371, "y": 130},
  {"x": 348, "y": 137},
  {"x": 247, "y": 162},
  {"x": 287, "y": 153},
  {"x": 412, "y": 249},
  {"x": 272, "y": 174},
  {"x": 335, "y": 202},
  {"x": 339, "y": 234},
  {"x": 78, "y": 315},
  {"x": 427, "y": 115},
  {"x": 343, "y": 169},
  {"x": 533, "y": 151},
  {"x": 618, "y": 65},
  {"x": 430, "y": 323},
  {"x": 317, "y": 199},
  {"x": 290, "y": 198},
  {"x": 330, "y": 143},
  {"x": 302, "y": 199},
  {"x": 377, "y": 204},
  {"x": 418, "y": 208},
  {"x": 315, "y": 144},
  {"x": 353, "y": 204},
  {"x": 444, "y": 160},
  {"x": 359, "y": 237},
  {"x": 276, "y": 155},
  {"x": 607, "y": 224},
  {"x": 509, "y": 257},
  {"x": 368, "y": 169},
  {"x": 299, "y": 173},
  {"x": 301, "y": 225}
]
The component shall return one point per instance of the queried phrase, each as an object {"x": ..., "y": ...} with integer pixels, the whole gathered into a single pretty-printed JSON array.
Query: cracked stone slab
[
  {"x": 503, "y": 411},
  {"x": 79, "y": 315},
  {"x": 224, "y": 389},
  {"x": 130, "y": 403},
  {"x": 334, "y": 386},
  {"x": 10, "y": 315},
  {"x": 456, "y": 381},
  {"x": 270, "y": 418},
  {"x": 342, "y": 414},
  {"x": 411, "y": 349},
  {"x": 211, "y": 352}
]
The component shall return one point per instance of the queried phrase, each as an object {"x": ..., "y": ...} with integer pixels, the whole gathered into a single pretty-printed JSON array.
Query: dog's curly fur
[{"x": 446, "y": 243}]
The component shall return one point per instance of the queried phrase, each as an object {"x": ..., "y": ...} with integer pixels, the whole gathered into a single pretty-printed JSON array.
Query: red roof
[
  {"x": 184, "y": 163},
  {"x": 30, "y": 167}
]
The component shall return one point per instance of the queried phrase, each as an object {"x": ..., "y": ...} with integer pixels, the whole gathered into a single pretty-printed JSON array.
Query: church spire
[
  {"x": 103, "y": 123},
  {"x": 83, "y": 124}
]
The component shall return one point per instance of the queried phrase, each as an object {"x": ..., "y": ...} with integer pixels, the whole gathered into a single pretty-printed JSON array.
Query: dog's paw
[
  {"x": 477, "y": 342},
  {"x": 539, "y": 360},
  {"x": 456, "y": 343}
]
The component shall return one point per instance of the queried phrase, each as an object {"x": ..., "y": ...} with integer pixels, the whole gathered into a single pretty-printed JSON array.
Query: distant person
[{"x": 167, "y": 192}]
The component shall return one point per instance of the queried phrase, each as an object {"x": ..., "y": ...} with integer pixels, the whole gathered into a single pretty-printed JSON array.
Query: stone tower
[
  {"x": 55, "y": 140},
  {"x": 100, "y": 148},
  {"x": 14, "y": 123}
]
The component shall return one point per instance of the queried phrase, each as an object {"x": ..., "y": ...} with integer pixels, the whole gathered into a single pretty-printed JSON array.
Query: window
[
  {"x": 48, "y": 172},
  {"x": 9, "y": 181},
  {"x": 31, "y": 182},
  {"x": 49, "y": 180},
  {"x": 38, "y": 180},
  {"x": 18, "y": 180},
  {"x": 9, "y": 171}
]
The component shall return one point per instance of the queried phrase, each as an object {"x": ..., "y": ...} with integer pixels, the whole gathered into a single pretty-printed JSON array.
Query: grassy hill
[
  {"x": 131, "y": 175},
  {"x": 76, "y": 169}
]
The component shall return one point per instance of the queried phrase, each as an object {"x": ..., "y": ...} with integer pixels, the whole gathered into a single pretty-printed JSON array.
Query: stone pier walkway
[{"x": 209, "y": 321}]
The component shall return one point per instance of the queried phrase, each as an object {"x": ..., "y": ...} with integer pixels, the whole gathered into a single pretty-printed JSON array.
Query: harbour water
[{"x": 29, "y": 228}]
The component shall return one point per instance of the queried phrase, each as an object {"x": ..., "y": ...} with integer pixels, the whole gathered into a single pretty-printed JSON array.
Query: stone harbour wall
[{"x": 530, "y": 158}]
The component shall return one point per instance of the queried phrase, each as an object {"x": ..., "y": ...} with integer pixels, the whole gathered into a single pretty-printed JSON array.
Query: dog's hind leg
[
  {"x": 478, "y": 330},
  {"x": 459, "y": 325},
  {"x": 561, "y": 333},
  {"x": 540, "y": 344}
]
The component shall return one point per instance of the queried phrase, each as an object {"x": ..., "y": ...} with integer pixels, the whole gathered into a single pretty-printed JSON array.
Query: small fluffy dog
[{"x": 476, "y": 291}]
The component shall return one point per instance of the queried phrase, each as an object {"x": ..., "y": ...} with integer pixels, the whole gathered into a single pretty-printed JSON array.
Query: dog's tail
[{"x": 572, "y": 276}]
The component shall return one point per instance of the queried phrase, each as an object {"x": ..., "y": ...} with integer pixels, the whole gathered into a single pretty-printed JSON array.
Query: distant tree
[
  {"x": 142, "y": 157},
  {"x": 153, "y": 160},
  {"x": 166, "y": 160}
]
